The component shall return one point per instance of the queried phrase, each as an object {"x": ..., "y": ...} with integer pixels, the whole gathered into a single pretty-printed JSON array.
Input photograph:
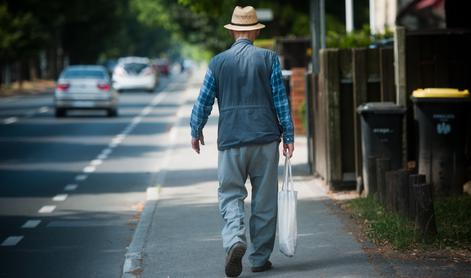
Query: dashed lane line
[
  {"x": 60, "y": 197},
  {"x": 10, "y": 120},
  {"x": 31, "y": 224},
  {"x": 96, "y": 162},
  {"x": 71, "y": 187},
  {"x": 12, "y": 240},
  {"x": 47, "y": 209},
  {"x": 89, "y": 169},
  {"x": 81, "y": 177}
]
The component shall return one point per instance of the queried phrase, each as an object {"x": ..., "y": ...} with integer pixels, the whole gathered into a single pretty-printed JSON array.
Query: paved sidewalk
[{"x": 184, "y": 236}]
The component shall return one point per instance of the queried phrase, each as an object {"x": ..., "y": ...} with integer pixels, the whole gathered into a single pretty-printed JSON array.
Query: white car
[
  {"x": 135, "y": 73},
  {"x": 85, "y": 87}
]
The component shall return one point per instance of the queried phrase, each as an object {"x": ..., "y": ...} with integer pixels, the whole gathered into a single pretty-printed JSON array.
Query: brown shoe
[
  {"x": 234, "y": 259},
  {"x": 264, "y": 267}
]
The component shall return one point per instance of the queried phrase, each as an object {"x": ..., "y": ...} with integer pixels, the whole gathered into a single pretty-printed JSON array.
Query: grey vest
[{"x": 247, "y": 113}]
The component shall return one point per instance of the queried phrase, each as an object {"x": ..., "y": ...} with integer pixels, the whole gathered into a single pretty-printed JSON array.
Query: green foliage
[
  {"x": 453, "y": 221},
  {"x": 383, "y": 227},
  {"x": 452, "y": 218},
  {"x": 19, "y": 33},
  {"x": 301, "y": 113},
  {"x": 357, "y": 38}
]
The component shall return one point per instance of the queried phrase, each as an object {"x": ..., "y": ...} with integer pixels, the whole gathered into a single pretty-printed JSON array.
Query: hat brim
[{"x": 232, "y": 27}]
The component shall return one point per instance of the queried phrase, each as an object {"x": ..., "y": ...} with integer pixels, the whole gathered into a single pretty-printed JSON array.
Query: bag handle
[{"x": 288, "y": 182}]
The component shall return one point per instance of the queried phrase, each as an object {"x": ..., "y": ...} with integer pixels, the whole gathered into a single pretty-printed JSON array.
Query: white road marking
[
  {"x": 146, "y": 110},
  {"x": 107, "y": 151},
  {"x": 120, "y": 137},
  {"x": 89, "y": 169},
  {"x": 153, "y": 193},
  {"x": 117, "y": 141},
  {"x": 137, "y": 120},
  {"x": 31, "y": 224},
  {"x": 112, "y": 145},
  {"x": 128, "y": 129},
  {"x": 96, "y": 162},
  {"x": 43, "y": 109},
  {"x": 70, "y": 187},
  {"x": 12, "y": 240},
  {"x": 10, "y": 120},
  {"x": 81, "y": 177},
  {"x": 47, "y": 209},
  {"x": 60, "y": 197},
  {"x": 102, "y": 157}
]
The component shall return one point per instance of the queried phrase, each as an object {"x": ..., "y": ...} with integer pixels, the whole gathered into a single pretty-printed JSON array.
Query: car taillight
[
  {"x": 103, "y": 86},
  {"x": 63, "y": 86}
]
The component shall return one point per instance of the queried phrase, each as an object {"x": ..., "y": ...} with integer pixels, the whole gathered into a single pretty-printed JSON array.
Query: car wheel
[
  {"x": 112, "y": 112},
  {"x": 60, "y": 112}
]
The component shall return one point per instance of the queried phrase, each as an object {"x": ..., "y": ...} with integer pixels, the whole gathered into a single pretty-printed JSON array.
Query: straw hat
[{"x": 244, "y": 19}]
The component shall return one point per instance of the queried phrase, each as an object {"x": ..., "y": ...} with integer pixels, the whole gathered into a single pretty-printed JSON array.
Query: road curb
[{"x": 132, "y": 267}]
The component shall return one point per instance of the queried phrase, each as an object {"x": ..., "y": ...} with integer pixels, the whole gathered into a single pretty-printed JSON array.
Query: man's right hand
[
  {"x": 195, "y": 143},
  {"x": 288, "y": 149}
]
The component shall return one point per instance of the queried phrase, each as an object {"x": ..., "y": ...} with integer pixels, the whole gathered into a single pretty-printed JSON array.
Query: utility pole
[
  {"x": 317, "y": 25},
  {"x": 349, "y": 15},
  {"x": 372, "y": 17}
]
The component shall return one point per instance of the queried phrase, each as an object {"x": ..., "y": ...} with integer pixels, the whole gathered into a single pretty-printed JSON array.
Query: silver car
[{"x": 85, "y": 87}]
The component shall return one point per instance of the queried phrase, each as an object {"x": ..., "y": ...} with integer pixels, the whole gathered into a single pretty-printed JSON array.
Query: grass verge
[{"x": 453, "y": 219}]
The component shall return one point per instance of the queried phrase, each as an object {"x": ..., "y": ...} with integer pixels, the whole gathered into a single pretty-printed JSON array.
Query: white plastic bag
[{"x": 287, "y": 224}]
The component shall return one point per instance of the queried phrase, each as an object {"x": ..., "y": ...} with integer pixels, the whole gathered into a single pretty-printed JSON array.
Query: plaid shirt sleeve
[
  {"x": 280, "y": 100},
  {"x": 203, "y": 106}
]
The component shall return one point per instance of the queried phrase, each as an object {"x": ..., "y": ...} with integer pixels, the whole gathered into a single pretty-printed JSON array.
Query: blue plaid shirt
[{"x": 204, "y": 103}]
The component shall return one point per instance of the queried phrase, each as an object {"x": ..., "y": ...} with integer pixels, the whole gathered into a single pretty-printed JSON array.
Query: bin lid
[
  {"x": 440, "y": 93},
  {"x": 381, "y": 108}
]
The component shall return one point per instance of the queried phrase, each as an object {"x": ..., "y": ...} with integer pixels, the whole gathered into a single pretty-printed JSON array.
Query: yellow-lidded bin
[
  {"x": 440, "y": 93},
  {"x": 442, "y": 116}
]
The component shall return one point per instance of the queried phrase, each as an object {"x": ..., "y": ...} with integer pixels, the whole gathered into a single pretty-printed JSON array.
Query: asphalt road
[{"x": 71, "y": 189}]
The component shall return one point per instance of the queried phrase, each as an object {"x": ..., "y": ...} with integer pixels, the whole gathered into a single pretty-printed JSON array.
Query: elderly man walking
[{"x": 253, "y": 116}]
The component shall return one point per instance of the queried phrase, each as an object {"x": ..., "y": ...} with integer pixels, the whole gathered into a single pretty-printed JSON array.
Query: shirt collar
[{"x": 242, "y": 41}]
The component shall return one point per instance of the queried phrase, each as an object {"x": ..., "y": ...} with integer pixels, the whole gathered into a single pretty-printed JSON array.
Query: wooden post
[
  {"x": 334, "y": 155},
  {"x": 372, "y": 188},
  {"x": 359, "y": 78},
  {"x": 390, "y": 183},
  {"x": 413, "y": 179},
  {"x": 321, "y": 126},
  {"x": 397, "y": 189},
  {"x": 402, "y": 192},
  {"x": 382, "y": 166},
  {"x": 425, "y": 216}
]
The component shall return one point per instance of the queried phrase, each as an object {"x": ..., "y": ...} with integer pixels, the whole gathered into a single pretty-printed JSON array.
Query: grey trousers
[{"x": 260, "y": 164}]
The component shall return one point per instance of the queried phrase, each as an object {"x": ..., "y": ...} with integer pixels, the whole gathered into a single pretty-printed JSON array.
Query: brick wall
[{"x": 297, "y": 84}]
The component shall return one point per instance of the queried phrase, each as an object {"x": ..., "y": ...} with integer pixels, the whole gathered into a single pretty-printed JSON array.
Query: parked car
[
  {"x": 85, "y": 87},
  {"x": 135, "y": 73},
  {"x": 162, "y": 65}
]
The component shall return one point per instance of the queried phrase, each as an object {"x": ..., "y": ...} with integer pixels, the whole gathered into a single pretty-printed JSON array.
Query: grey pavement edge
[{"x": 133, "y": 258}]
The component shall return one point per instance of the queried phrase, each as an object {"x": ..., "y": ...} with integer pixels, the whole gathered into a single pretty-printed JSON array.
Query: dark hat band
[{"x": 238, "y": 24}]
